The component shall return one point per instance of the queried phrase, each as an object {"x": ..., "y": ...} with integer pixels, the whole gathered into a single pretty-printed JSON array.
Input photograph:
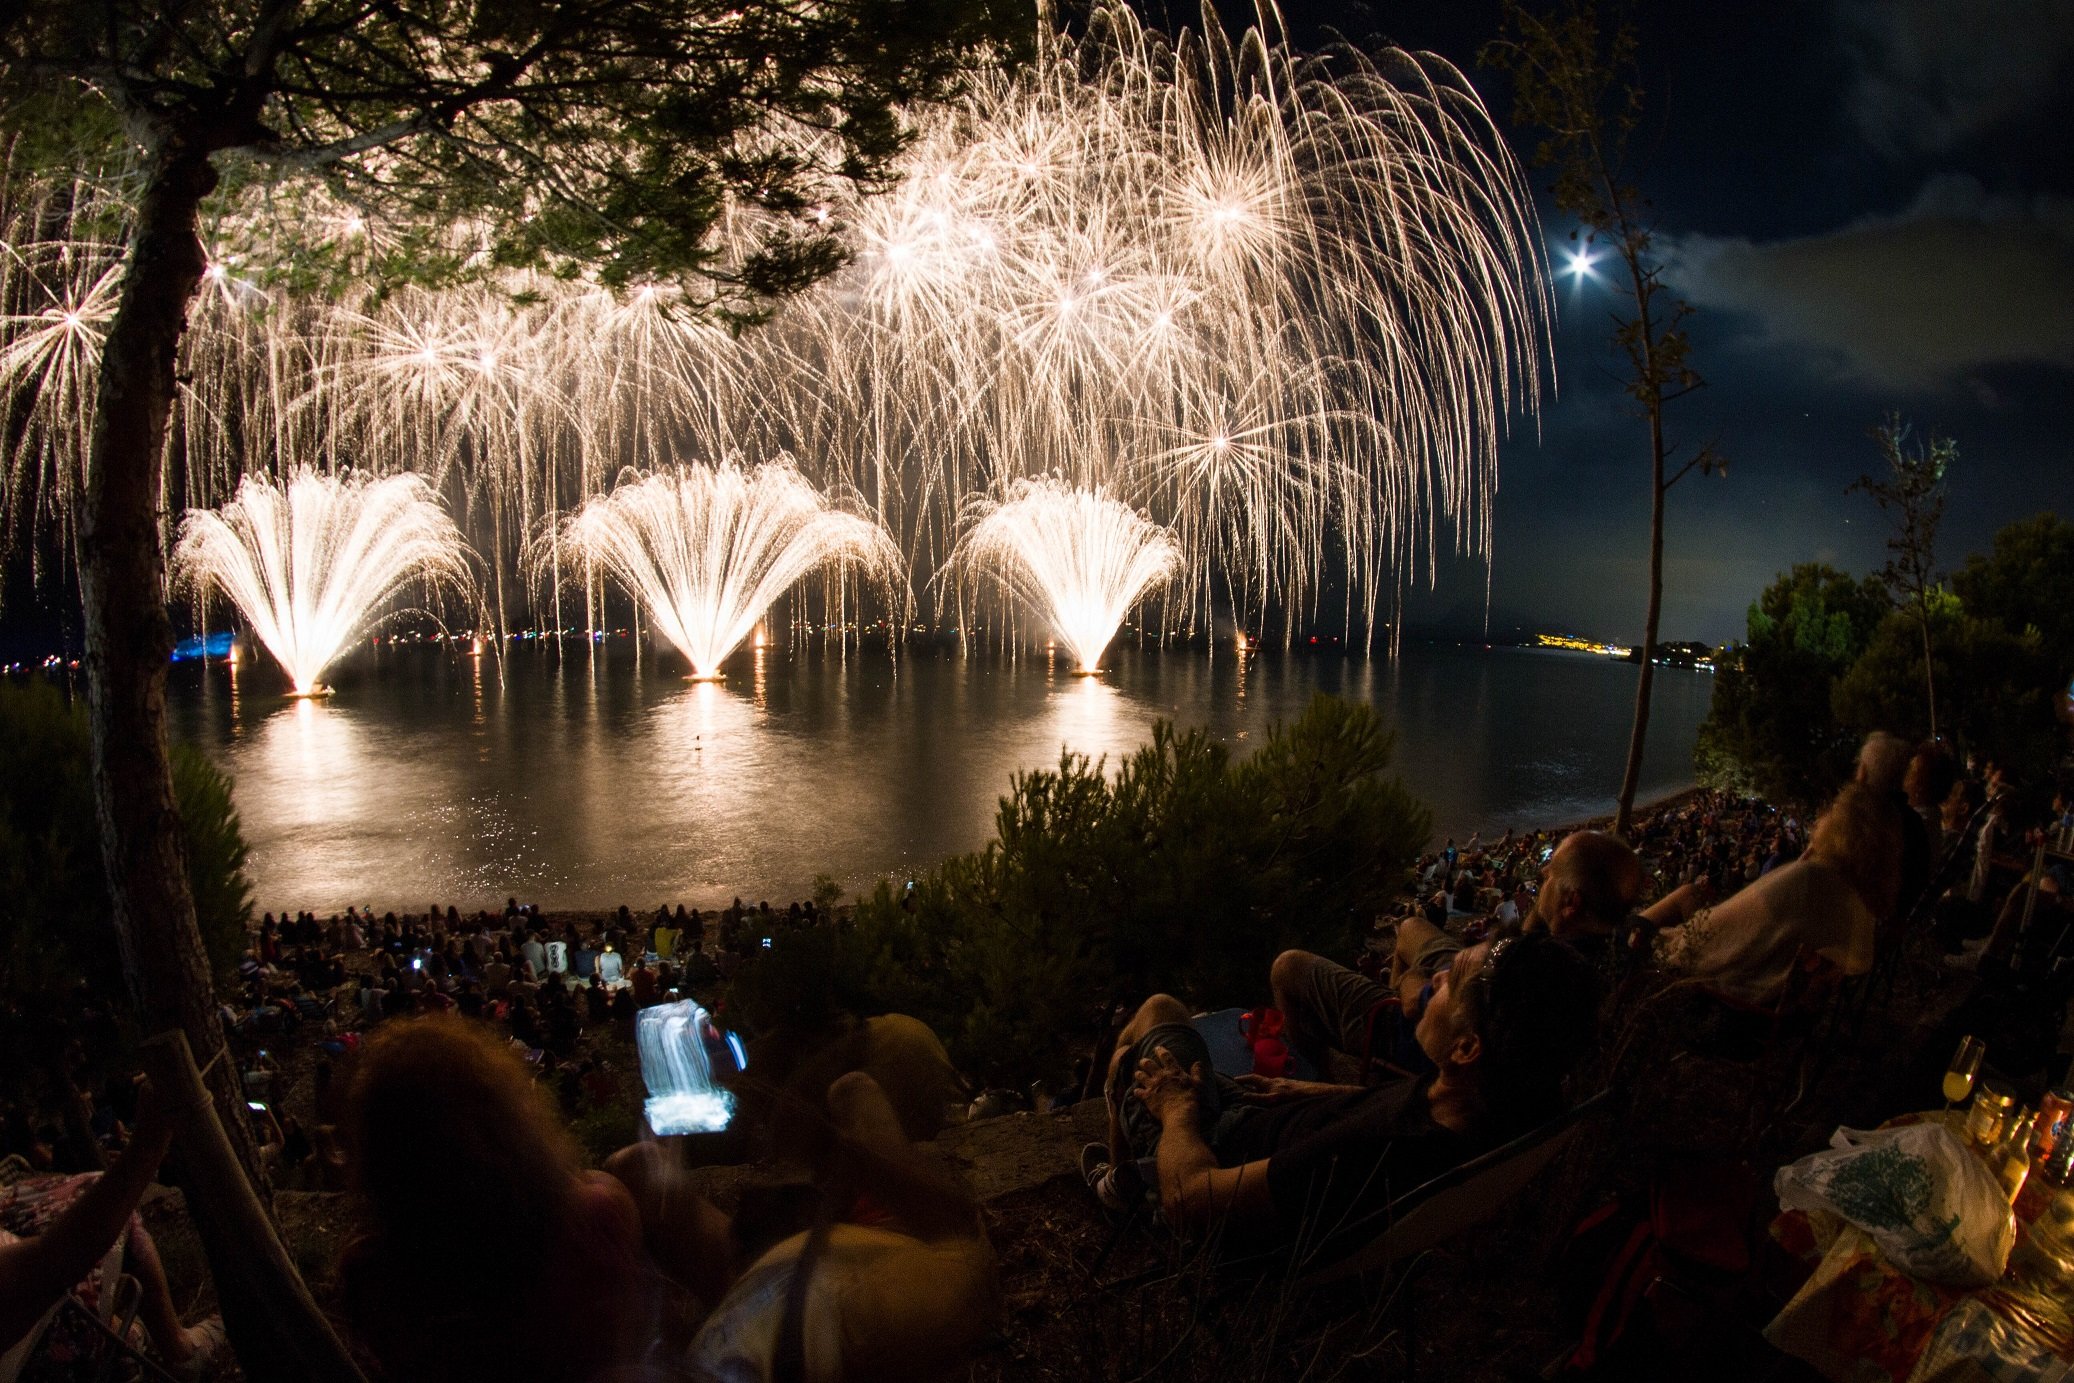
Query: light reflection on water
[{"x": 601, "y": 778}]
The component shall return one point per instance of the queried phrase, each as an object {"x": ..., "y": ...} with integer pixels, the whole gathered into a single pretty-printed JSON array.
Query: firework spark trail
[
  {"x": 1283, "y": 304},
  {"x": 707, "y": 549},
  {"x": 1273, "y": 300},
  {"x": 61, "y": 296},
  {"x": 1076, "y": 557},
  {"x": 312, "y": 564}
]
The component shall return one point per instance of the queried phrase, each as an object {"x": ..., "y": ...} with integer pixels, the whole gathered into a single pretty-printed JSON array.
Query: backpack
[{"x": 1646, "y": 1276}]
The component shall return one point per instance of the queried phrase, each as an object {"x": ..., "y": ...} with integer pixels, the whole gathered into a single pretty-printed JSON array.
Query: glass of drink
[{"x": 1964, "y": 1069}]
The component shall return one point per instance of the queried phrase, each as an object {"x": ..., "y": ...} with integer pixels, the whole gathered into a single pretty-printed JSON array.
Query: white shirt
[{"x": 1745, "y": 946}]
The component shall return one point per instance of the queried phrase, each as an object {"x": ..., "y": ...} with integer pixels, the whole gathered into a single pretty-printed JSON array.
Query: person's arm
[
  {"x": 35, "y": 1273},
  {"x": 924, "y": 1198},
  {"x": 1275, "y": 1089},
  {"x": 1676, "y": 907},
  {"x": 1195, "y": 1193}
]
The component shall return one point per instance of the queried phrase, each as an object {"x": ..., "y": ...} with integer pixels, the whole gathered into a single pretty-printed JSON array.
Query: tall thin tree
[
  {"x": 1575, "y": 79},
  {"x": 1910, "y": 491}
]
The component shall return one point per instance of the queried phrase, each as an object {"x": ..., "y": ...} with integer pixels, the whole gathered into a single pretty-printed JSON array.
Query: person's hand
[
  {"x": 156, "y": 1119},
  {"x": 1166, "y": 1088},
  {"x": 1269, "y": 1089}
]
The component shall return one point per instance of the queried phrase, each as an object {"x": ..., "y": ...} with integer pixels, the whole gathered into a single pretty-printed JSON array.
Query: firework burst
[
  {"x": 313, "y": 564},
  {"x": 707, "y": 550},
  {"x": 1282, "y": 306},
  {"x": 1075, "y": 558}
]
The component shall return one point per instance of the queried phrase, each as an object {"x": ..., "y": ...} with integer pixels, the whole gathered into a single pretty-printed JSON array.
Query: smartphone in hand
[{"x": 682, "y": 1094}]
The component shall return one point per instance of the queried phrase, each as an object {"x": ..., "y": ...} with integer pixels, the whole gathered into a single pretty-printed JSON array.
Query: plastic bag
[{"x": 1926, "y": 1201}]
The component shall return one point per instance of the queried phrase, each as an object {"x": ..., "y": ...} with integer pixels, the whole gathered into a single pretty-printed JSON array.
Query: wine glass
[{"x": 1964, "y": 1068}]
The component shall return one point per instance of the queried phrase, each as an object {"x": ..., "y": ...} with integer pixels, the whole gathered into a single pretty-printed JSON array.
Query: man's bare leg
[{"x": 1157, "y": 1011}]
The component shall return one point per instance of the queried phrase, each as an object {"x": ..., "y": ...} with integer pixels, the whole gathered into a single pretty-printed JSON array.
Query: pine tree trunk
[
  {"x": 128, "y": 637},
  {"x": 1630, "y": 780},
  {"x": 129, "y": 643}
]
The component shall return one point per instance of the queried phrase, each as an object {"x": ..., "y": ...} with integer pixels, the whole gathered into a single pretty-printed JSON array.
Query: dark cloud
[
  {"x": 1931, "y": 75},
  {"x": 1919, "y": 302}
]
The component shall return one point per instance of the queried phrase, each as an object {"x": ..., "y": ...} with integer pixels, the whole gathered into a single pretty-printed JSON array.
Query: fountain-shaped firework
[
  {"x": 681, "y": 1095},
  {"x": 706, "y": 549},
  {"x": 1077, "y": 558},
  {"x": 311, "y": 564}
]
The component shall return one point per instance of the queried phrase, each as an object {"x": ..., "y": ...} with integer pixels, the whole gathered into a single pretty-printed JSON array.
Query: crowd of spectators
[
  {"x": 1457, "y": 1027},
  {"x": 1514, "y": 960},
  {"x": 544, "y": 980}
]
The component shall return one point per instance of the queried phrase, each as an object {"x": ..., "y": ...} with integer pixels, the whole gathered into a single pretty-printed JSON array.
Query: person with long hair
[
  {"x": 483, "y": 1249},
  {"x": 1829, "y": 903}
]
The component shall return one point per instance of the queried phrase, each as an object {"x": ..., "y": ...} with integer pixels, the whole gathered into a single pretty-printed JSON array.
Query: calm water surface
[{"x": 586, "y": 781}]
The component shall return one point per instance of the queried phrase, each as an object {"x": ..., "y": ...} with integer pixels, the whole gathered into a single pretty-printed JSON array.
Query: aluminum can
[
  {"x": 2055, "y": 1123},
  {"x": 2057, "y": 1165}
]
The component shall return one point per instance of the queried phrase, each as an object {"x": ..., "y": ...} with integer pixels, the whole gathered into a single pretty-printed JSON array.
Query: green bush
[
  {"x": 1994, "y": 686},
  {"x": 1186, "y": 872},
  {"x": 56, "y": 916},
  {"x": 1773, "y": 728}
]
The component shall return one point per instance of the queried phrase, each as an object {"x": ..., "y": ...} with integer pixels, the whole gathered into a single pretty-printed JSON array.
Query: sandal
[
  {"x": 206, "y": 1340},
  {"x": 1101, "y": 1179}
]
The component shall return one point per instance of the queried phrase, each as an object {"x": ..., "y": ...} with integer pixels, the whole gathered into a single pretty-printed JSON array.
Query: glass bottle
[{"x": 2011, "y": 1159}]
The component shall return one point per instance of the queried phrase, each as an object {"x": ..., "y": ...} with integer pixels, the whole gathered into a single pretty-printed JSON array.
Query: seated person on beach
[
  {"x": 1826, "y": 903},
  {"x": 1261, "y": 1158},
  {"x": 1587, "y": 888}
]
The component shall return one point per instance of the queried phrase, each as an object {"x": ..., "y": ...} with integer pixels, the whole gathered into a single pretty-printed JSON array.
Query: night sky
[{"x": 1871, "y": 203}]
